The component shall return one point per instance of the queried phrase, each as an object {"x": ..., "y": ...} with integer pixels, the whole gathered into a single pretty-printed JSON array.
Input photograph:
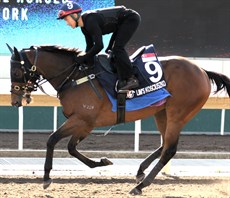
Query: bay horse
[{"x": 188, "y": 84}]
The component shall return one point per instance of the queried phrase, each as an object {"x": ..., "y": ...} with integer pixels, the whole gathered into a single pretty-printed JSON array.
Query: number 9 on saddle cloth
[{"x": 147, "y": 69}]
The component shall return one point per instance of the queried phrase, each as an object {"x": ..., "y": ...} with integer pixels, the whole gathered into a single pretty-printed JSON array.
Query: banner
[{"x": 33, "y": 22}]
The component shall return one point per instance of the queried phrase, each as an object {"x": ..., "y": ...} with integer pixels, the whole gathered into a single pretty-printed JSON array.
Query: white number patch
[
  {"x": 69, "y": 5},
  {"x": 157, "y": 70}
]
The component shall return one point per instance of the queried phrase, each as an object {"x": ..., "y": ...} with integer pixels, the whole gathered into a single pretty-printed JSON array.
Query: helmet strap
[{"x": 76, "y": 18}]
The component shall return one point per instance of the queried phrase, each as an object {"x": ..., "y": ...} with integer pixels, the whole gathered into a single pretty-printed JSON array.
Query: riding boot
[
  {"x": 125, "y": 70},
  {"x": 131, "y": 83},
  {"x": 127, "y": 79},
  {"x": 121, "y": 83}
]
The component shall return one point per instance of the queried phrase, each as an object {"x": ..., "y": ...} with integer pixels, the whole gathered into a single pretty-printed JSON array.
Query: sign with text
[{"x": 33, "y": 22}]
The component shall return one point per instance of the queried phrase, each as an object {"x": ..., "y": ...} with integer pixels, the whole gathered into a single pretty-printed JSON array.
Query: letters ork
[{"x": 20, "y": 12}]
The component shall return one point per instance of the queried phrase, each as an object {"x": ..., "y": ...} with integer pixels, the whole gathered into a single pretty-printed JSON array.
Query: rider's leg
[{"x": 122, "y": 61}]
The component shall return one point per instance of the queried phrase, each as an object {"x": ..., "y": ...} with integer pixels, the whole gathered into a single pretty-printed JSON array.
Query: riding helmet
[{"x": 69, "y": 8}]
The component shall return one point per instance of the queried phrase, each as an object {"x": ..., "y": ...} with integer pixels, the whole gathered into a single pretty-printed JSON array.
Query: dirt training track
[
  {"x": 114, "y": 187},
  {"x": 119, "y": 142},
  {"x": 119, "y": 186}
]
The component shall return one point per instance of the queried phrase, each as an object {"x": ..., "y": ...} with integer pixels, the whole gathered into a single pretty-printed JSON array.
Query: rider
[{"x": 120, "y": 21}]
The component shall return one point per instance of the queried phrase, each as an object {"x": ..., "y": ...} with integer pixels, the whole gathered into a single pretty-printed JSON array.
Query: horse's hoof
[
  {"x": 47, "y": 183},
  {"x": 106, "y": 162},
  {"x": 135, "y": 191},
  {"x": 140, "y": 178}
]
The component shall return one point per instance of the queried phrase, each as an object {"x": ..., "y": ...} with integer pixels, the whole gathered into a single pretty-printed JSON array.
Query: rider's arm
[
  {"x": 89, "y": 41},
  {"x": 93, "y": 36},
  {"x": 111, "y": 42}
]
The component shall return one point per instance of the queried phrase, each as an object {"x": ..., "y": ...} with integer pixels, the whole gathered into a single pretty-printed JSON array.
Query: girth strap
[
  {"x": 121, "y": 103},
  {"x": 89, "y": 78}
]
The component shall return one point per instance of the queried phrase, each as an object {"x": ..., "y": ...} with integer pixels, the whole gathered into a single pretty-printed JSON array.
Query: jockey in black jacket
[{"x": 120, "y": 21}]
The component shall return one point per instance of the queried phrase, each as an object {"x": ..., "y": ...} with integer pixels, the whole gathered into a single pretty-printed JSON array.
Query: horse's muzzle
[
  {"x": 20, "y": 100},
  {"x": 16, "y": 104}
]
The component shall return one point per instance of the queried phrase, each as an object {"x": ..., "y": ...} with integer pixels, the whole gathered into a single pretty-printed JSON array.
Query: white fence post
[
  {"x": 137, "y": 132},
  {"x": 55, "y": 119},
  {"x": 222, "y": 122},
  {"x": 20, "y": 128}
]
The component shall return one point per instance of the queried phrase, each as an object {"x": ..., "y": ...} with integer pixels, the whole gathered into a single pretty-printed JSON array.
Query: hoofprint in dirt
[{"x": 112, "y": 187}]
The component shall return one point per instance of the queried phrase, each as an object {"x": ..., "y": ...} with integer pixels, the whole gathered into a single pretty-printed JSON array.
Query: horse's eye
[{"x": 16, "y": 73}]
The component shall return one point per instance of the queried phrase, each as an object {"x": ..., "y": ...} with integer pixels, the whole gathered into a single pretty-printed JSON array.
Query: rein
[
  {"x": 58, "y": 89},
  {"x": 36, "y": 80}
]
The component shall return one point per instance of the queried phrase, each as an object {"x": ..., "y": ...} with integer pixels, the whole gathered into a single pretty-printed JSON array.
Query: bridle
[
  {"x": 32, "y": 79},
  {"x": 29, "y": 78}
]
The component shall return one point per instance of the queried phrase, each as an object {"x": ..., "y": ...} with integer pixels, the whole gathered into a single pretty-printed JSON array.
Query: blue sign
[{"x": 24, "y": 23}]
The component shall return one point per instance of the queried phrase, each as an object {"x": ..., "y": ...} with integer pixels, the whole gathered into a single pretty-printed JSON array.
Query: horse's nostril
[
  {"x": 15, "y": 104},
  {"x": 28, "y": 100}
]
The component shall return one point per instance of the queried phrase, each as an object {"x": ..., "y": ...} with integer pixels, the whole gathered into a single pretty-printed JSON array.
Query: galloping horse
[{"x": 188, "y": 84}]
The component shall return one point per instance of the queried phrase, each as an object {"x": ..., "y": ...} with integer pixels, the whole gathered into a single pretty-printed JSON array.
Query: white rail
[{"x": 136, "y": 135}]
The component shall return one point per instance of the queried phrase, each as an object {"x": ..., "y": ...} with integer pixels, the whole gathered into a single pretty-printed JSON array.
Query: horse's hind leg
[
  {"x": 161, "y": 120},
  {"x": 145, "y": 164},
  {"x": 92, "y": 164},
  {"x": 169, "y": 150}
]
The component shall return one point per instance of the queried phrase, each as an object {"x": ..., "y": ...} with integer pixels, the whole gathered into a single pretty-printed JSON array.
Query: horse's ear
[
  {"x": 16, "y": 54},
  {"x": 11, "y": 50}
]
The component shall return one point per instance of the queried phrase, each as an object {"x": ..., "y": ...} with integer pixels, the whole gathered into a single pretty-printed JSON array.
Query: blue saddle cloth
[
  {"x": 147, "y": 69},
  {"x": 142, "y": 101}
]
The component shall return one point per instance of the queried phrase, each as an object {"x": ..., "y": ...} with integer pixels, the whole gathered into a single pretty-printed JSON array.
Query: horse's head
[
  {"x": 23, "y": 79},
  {"x": 29, "y": 67}
]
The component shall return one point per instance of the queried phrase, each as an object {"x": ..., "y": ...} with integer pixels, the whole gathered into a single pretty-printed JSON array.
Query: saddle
[{"x": 147, "y": 69}]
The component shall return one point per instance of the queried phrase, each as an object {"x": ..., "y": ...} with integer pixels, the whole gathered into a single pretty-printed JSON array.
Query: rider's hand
[{"x": 81, "y": 59}]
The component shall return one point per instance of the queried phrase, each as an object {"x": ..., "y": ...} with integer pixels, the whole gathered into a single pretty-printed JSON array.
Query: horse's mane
[{"x": 59, "y": 49}]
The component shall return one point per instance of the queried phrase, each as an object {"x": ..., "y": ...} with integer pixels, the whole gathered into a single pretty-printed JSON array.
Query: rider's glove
[{"x": 81, "y": 59}]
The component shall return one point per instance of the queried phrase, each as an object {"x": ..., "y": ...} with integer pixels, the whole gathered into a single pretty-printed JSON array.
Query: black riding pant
[{"x": 124, "y": 33}]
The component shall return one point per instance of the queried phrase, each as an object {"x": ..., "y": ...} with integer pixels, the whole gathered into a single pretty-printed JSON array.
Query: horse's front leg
[
  {"x": 55, "y": 137},
  {"x": 48, "y": 163},
  {"x": 90, "y": 163}
]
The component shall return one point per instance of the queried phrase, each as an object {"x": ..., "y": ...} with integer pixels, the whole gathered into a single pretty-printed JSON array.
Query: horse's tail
[{"x": 221, "y": 81}]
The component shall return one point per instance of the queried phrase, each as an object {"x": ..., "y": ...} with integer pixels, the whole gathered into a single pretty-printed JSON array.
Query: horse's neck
[{"x": 54, "y": 68}]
